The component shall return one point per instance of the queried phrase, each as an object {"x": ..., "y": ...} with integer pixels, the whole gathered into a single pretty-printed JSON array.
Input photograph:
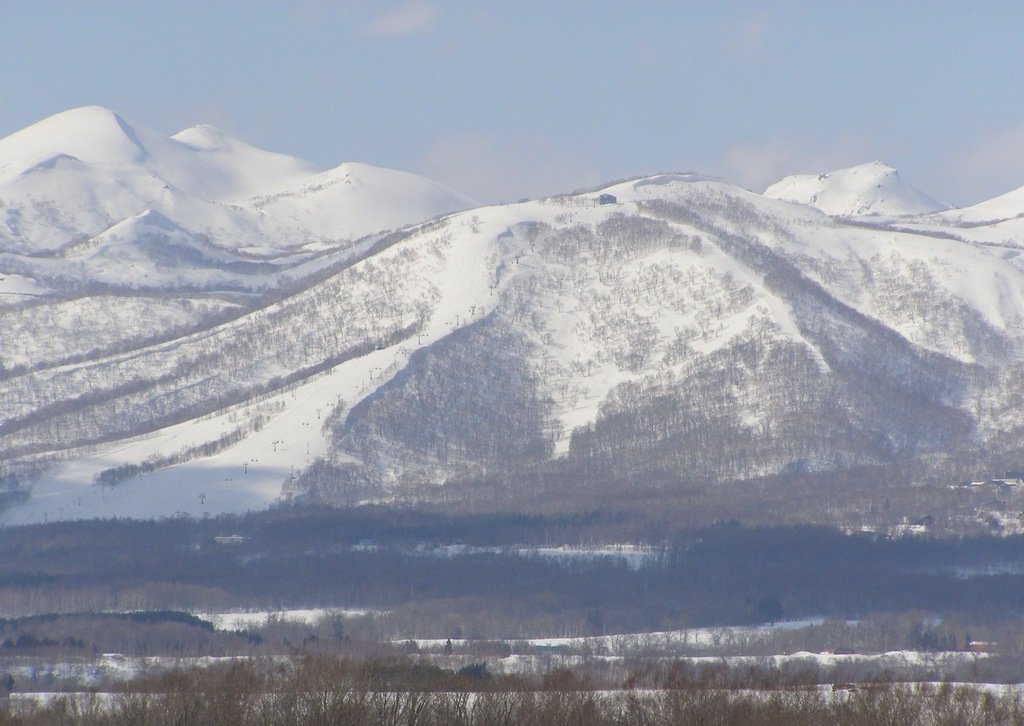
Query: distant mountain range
[
  {"x": 193, "y": 325},
  {"x": 92, "y": 199}
]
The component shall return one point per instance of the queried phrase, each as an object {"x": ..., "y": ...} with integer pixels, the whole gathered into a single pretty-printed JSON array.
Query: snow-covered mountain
[
  {"x": 200, "y": 209},
  {"x": 1004, "y": 207},
  {"x": 671, "y": 332},
  {"x": 869, "y": 189},
  {"x": 999, "y": 220}
]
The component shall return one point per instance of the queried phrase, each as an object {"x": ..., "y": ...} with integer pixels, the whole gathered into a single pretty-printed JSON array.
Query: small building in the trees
[{"x": 229, "y": 539}]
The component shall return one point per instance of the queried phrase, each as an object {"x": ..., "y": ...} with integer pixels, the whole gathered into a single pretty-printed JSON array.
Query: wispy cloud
[
  {"x": 756, "y": 164},
  {"x": 752, "y": 32},
  {"x": 991, "y": 166},
  {"x": 410, "y": 18},
  {"x": 496, "y": 169}
]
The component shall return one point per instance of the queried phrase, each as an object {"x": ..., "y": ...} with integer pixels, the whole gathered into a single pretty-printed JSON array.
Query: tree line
[{"x": 340, "y": 691}]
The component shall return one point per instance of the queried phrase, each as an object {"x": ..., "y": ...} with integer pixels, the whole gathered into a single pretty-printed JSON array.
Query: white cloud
[
  {"x": 208, "y": 110},
  {"x": 496, "y": 169},
  {"x": 409, "y": 18},
  {"x": 752, "y": 31},
  {"x": 756, "y": 164},
  {"x": 992, "y": 166}
]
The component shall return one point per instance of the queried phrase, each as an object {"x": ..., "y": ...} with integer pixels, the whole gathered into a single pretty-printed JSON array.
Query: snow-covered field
[
  {"x": 103, "y": 669},
  {"x": 687, "y": 638},
  {"x": 15, "y": 289},
  {"x": 635, "y": 556},
  {"x": 234, "y": 620},
  {"x": 893, "y": 661}
]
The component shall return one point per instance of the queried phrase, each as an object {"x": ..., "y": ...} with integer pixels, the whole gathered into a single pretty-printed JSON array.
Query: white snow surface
[
  {"x": 868, "y": 189},
  {"x": 620, "y": 643},
  {"x": 898, "y": 660},
  {"x": 233, "y": 620},
  {"x": 249, "y": 476},
  {"x": 693, "y": 645},
  {"x": 998, "y": 209},
  {"x": 73, "y": 175},
  {"x": 357, "y": 198},
  {"x": 15, "y": 288}
]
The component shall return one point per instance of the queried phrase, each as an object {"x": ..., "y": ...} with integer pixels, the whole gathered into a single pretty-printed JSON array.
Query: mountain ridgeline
[
  {"x": 668, "y": 337},
  {"x": 644, "y": 350}
]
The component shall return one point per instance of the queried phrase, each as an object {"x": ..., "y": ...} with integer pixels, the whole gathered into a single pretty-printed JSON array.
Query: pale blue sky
[{"x": 514, "y": 99}]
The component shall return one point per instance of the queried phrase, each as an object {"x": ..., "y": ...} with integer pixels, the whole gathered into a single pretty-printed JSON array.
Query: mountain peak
[
  {"x": 204, "y": 137},
  {"x": 89, "y": 133},
  {"x": 83, "y": 117},
  {"x": 72, "y": 175},
  {"x": 874, "y": 188}
]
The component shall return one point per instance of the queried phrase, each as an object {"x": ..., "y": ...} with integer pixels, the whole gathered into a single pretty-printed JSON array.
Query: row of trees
[
  {"x": 321, "y": 691},
  {"x": 722, "y": 574}
]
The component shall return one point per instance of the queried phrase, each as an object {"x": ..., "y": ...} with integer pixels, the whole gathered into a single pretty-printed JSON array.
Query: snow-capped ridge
[
  {"x": 91, "y": 134},
  {"x": 151, "y": 218},
  {"x": 138, "y": 229},
  {"x": 206, "y": 137},
  {"x": 359, "y": 174},
  {"x": 245, "y": 171},
  {"x": 1004, "y": 207},
  {"x": 78, "y": 173},
  {"x": 354, "y": 199},
  {"x": 688, "y": 176},
  {"x": 874, "y": 189},
  {"x": 641, "y": 187},
  {"x": 630, "y": 185}
]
